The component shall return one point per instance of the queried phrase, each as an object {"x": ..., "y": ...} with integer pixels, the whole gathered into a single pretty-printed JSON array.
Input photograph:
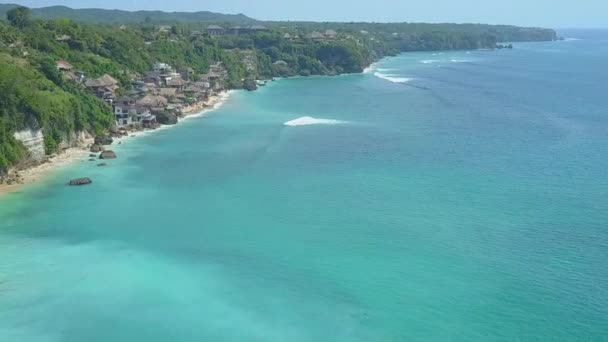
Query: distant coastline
[{"x": 67, "y": 82}]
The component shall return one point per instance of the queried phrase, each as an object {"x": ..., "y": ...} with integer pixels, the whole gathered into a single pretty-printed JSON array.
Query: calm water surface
[{"x": 458, "y": 196}]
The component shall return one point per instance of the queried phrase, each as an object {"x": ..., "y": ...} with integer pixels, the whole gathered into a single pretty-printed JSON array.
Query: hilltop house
[
  {"x": 164, "y": 28},
  {"x": 63, "y": 66},
  {"x": 327, "y": 35},
  {"x": 315, "y": 35},
  {"x": 63, "y": 38},
  {"x": 68, "y": 73},
  {"x": 331, "y": 34},
  {"x": 215, "y": 30},
  {"x": 163, "y": 68}
]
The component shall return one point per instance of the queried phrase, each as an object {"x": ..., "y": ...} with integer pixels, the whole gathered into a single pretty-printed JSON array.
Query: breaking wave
[
  {"x": 429, "y": 61},
  {"x": 309, "y": 120},
  {"x": 392, "y": 78}
]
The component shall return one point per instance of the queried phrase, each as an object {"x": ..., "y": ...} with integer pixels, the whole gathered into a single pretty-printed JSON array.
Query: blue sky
[{"x": 548, "y": 13}]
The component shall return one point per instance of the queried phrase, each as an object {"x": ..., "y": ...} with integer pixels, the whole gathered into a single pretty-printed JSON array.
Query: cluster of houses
[
  {"x": 327, "y": 35},
  {"x": 216, "y": 30},
  {"x": 162, "y": 89}
]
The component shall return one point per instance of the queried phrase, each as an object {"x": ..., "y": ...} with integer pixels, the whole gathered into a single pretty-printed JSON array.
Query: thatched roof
[
  {"x": 103, "y": 81},
  {"x": 167, "y": 91},
  {"x": 176, "y": 82},
  {"x": 152, "y": 101}
]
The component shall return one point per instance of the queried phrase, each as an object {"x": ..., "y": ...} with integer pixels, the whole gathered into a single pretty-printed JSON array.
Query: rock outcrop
[
  {"x": 75, "y": 139},
  {"x": 104, "y": 140},
  {"x": 166, "y": 118},
  {"x": 107, "y": 155},
  {"x": 80, "y": 181},
  {"x": 96, "y": 148}
]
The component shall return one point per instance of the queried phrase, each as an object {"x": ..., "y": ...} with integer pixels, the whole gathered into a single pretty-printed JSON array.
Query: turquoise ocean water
[{"x": 456, "y": 196}]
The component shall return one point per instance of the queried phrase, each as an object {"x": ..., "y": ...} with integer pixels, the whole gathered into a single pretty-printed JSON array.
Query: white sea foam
[
  {"x": 429, "y": 61},
  {"x": 392, "y": 78},
  {"x": 309, "y": 120},
  {"x": 370, "y": 68},
  {"x": 458, "y": 61}
]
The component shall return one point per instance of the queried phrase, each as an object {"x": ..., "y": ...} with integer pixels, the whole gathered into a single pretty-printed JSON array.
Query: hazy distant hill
[{"x": 92, "y": 15}]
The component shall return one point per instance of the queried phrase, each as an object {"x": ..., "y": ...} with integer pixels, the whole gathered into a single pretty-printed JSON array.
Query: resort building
[{"x": 215, "y": 30}]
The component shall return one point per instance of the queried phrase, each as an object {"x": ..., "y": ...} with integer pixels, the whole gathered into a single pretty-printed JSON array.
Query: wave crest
[
  {"x": 309, "y": 120},
  {"x": 392, "y": 78}
]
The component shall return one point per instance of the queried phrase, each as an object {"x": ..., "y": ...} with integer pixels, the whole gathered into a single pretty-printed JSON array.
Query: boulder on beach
[
  {"x": 113, "y": 129},
  {"x": 96, "y": 148},
  {"x": 104, "y": 140},
  {"x": 166, "y": 118},
  {"x": 107, "y": 155},
  {"x": 80, "y": 181}
]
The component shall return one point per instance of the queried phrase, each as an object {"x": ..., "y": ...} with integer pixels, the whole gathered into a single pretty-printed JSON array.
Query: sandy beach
[{"x": 81, "y": 153}]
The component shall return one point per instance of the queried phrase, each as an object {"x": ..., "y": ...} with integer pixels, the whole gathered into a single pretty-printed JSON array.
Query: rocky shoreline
[{"x": 82, "y": 148}]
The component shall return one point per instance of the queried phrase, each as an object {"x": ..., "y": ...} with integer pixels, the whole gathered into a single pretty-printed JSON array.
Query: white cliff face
[
  {"x": 33, "y": 140},
  {"x": 75, "y": 139}
]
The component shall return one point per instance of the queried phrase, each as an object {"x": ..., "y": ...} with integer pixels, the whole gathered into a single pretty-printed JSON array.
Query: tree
[{"x": 19, "y": 16}]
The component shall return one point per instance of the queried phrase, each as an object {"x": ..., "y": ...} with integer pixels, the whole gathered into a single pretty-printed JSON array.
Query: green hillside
[{"x": 93, "y": 15}]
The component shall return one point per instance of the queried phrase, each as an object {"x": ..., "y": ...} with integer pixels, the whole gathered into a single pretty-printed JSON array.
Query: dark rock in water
[
  {"x": 80, "y": 181},
  {"x": 250, "y": 84},
  {"x": 96, "y": 148},
  {"x": 104, "y": 140},
  {"x": 92, "y": 159},
  {"x": 93, "y": 155},
  {"x": 102, "y": 164},
  {"x": 166, "y": 118},
  {"x": 107, "y": 155}
]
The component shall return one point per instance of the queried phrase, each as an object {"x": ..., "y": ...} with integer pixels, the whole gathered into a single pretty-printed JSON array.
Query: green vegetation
[
  {"x": 103, "y": 16},
  {"x": 34, "y": 94}
]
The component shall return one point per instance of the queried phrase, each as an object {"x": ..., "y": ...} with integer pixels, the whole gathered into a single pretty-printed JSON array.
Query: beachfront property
[
  {"x": 128, "y": 112},
  {"x": 160, "y": 90}
]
